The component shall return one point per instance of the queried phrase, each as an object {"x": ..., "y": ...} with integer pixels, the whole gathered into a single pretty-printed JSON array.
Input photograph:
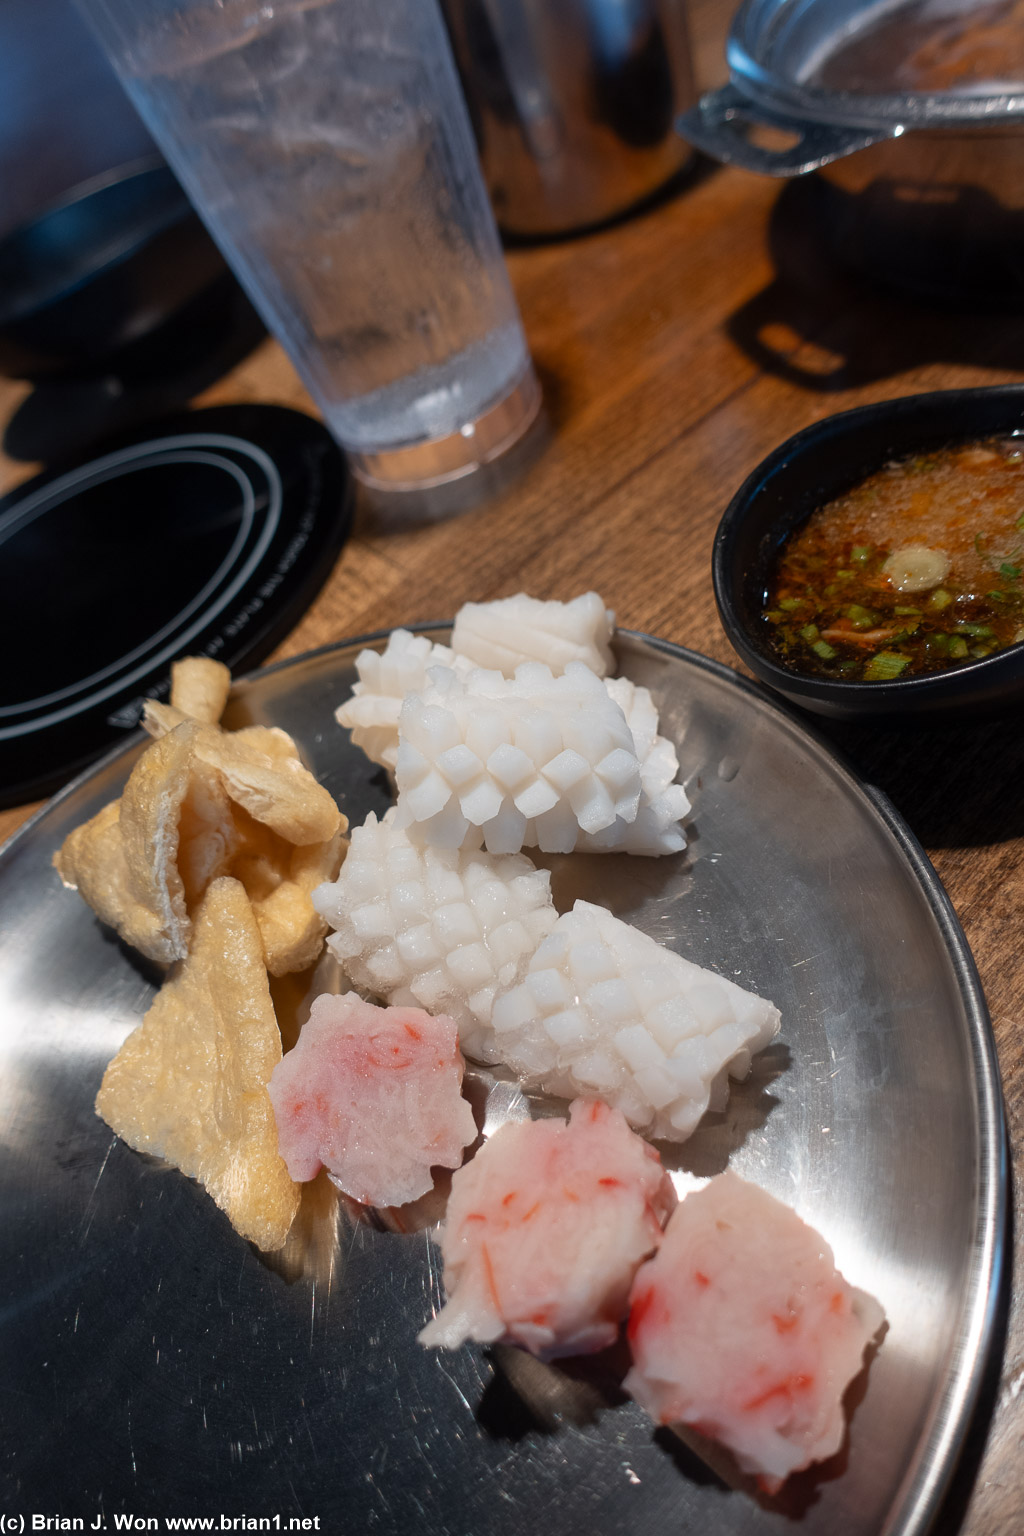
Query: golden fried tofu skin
[{"x": 190, "y": 1083}]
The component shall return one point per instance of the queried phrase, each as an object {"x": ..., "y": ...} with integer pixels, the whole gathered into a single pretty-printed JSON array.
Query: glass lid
[
  {"x": 861, "y": 61},
  {"x": 955, "y": 46}
]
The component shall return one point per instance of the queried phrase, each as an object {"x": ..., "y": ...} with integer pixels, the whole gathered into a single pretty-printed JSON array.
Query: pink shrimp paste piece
[
  {"x": 545, "y": 1230},
  {"x": 742, "y": 1329},
  {"x": 375, "y": 1096}
]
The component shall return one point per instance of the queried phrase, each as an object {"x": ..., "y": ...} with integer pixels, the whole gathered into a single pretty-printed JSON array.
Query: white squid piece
[
  {"x": 531, "y": 762},
  {"x": 604, "y": 1010},
  {"x": 504, "y": 633},
  {"x": 438, "y": 928}
]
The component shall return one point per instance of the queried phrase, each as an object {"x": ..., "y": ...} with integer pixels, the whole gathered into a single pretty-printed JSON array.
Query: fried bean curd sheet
[
  {"x": 200, "y": 688},
  {"x": 159, "y": 719},
  {"x": 280, "y": 879},
  {"x": 277, "y": 791},
  {"x": 190, "y": 1083},
  {"x": 267, "y": 844},
  {"x": 124, "y": 862},
  {"x": 262, "y": 771},
  {"x": 199, "y": 691},
  {"x": 202, "y": 803}
]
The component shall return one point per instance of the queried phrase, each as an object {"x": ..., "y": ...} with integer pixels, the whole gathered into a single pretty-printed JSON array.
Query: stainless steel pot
[
  {"x": 924, "y": 187},
  {"x": 573, "y": 103}
]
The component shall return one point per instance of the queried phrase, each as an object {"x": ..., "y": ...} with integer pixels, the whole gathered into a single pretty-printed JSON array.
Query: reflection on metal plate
[{"x": 155, "y": 1364}]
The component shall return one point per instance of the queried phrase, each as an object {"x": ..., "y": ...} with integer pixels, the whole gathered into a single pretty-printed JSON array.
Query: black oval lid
[{"x": 208, "y": 534}]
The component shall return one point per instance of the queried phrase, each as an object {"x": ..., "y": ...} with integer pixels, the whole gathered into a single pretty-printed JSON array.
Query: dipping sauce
[{"x": 918, "y": 569}]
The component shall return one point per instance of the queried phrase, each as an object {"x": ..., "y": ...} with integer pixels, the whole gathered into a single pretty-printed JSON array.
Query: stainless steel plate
[{"x": 154, "y": 1364}]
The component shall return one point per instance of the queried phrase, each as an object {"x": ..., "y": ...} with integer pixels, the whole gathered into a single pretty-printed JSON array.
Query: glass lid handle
[{"x": 730, "y": 127}]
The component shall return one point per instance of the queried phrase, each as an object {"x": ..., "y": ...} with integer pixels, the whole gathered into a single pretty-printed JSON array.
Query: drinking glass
[{"x": 327, "y": 146}]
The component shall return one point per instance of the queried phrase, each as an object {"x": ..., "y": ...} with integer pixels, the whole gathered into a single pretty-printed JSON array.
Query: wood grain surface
[{"x": 675, "y": 349}]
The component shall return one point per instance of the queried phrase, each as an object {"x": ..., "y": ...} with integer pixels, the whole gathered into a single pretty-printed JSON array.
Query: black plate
[{"x": 206, "y": 534}]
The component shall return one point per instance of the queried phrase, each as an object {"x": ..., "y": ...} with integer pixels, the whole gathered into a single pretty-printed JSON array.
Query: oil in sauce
[{"x": 917, "y": 569}]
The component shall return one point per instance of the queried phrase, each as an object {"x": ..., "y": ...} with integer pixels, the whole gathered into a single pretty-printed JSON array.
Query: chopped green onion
[
  {"x": 774, "y": 616},
  {"x": 823, "y": 649},
  {"x": 978, "y": 651},
  {"x": 860, "y": 617},
  {"x": 885, "y": 665},
  {"x": 861, "y": 553},
  {"x": 958, "y": 648},
  {"x": 939, "y": 599},
  {"x": 810, "y": 632},
  {"x": 1006, "y": 569},
  {"x": 907, "y": 612},
  {"x": 789, "y": 603},
  {"x": 979, "y": 631},
  {"x": 845, "y": 575},
  {"x": 998, "y": 597}
]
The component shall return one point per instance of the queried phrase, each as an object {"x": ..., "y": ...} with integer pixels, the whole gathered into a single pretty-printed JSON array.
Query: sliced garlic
[{"x": 916, "y": 568}]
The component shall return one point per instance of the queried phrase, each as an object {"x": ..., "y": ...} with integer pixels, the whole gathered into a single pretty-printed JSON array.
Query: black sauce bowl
[{"x": 810, "y": 469}]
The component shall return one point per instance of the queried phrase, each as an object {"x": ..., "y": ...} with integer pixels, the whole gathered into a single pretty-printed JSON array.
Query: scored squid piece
[
  {"x": 742, "y": 1328},
  {"x": 439, "y": 928},
  {"x": 531, "y": 762},
  {"x": 545, "y": 1229},
  {"x": 657, "y": 827},
  {"x": 498, "y": 635},
  {"x": 374, "y": 1095},
  {"x": 605, "y": 1010},
  {"x": 504, "y": 633},
  {"x": 384, "y": 679}
]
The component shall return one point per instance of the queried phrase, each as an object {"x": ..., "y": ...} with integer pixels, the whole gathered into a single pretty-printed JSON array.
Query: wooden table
[{"x": 675, "y": 349}]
